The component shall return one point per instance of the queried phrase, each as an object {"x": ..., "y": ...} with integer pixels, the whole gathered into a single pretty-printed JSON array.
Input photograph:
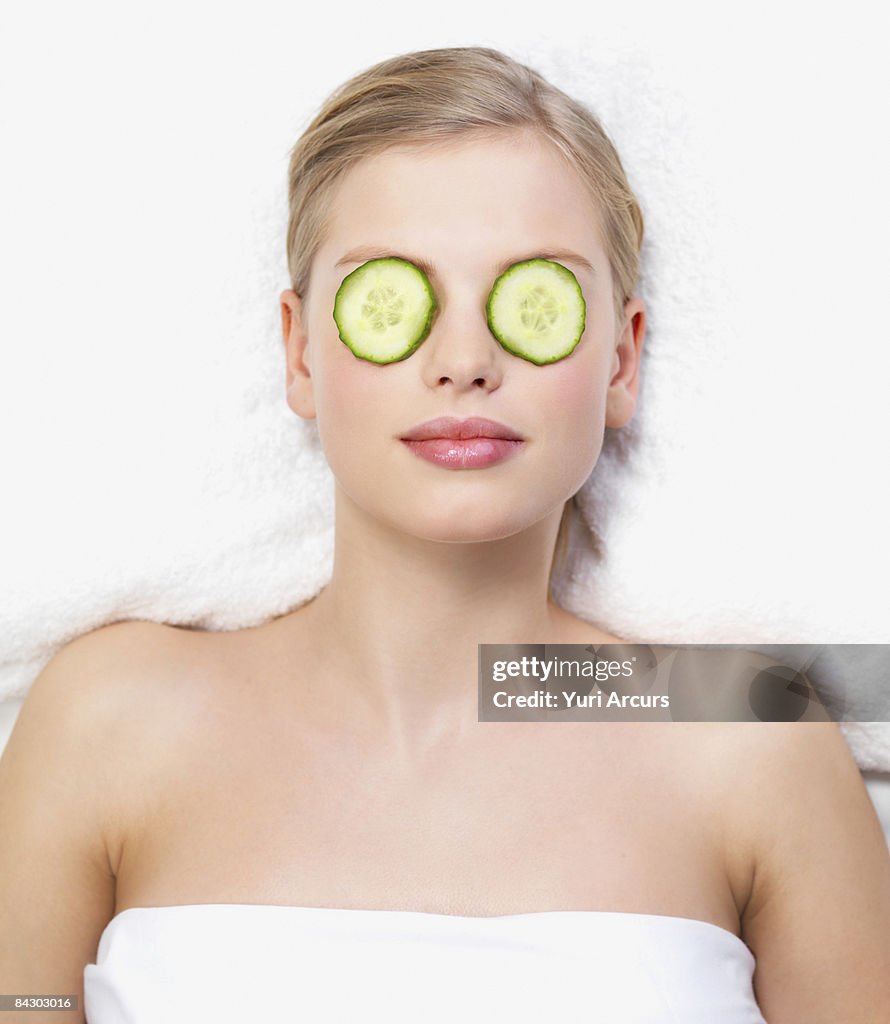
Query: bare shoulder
[
  {"x": 102, "y": 679},
  {"x": 817, "y": 917},
  {"x": 93, "y": 687},
  {"x": 108, "y": 707},
  {"x": 91, "y": 678},
  {"x": 65, "y": 782}
]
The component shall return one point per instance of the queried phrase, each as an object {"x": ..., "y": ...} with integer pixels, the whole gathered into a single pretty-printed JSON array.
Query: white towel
[{"x": 154, "y": 470}]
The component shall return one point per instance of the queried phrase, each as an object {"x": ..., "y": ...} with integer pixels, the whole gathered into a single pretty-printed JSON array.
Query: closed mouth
[{"x": 450, "y": 428}]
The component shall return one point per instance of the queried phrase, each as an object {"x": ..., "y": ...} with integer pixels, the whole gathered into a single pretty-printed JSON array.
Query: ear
[
  {"x": 621, "y": 399},
  {"x": 298, "y": 383}
]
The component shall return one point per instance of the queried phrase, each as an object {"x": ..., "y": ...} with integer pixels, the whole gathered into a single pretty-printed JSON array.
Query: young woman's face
[{"x": 466, "y": 212}]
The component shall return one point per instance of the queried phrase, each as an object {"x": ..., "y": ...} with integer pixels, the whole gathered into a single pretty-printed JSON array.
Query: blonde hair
[{"x": 433, "y": 96}]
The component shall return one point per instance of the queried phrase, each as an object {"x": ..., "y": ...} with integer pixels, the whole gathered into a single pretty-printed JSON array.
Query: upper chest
[{"x": 252, "y": 801}]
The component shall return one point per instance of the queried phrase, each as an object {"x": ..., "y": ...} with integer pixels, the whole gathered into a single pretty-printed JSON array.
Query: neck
[{"x": 398, "y": 625}]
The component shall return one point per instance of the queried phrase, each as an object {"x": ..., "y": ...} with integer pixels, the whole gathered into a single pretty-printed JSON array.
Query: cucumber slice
[
  {"x": 384, "y": 309},
  {"x": 536, "y": 311}
]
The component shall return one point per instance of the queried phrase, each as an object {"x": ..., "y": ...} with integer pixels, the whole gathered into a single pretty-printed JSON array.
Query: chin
[{"x": 467, "y": 526}]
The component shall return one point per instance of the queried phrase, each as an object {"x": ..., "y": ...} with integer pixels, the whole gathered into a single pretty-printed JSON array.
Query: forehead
[{"x": 474, "y": 199}]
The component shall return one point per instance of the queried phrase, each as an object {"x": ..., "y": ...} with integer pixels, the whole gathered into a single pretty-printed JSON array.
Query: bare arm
[
  {"x": 60, "y": 786},
  {"x": 818, "y": 917}
]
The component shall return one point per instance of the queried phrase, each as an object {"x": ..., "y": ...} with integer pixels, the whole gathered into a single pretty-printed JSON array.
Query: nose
[{"x": 460, "y": 352}]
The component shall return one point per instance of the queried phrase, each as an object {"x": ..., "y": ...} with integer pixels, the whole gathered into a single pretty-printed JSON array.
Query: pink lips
[{"x": 463, "y": 444}]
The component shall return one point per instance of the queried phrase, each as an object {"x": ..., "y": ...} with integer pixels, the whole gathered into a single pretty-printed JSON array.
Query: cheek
[
  {"x": 344, "y": 393},
  {"x": 576, "y": 401},
  {"x": 355, "y": 410},
  {"x": 572, "y": 413}
]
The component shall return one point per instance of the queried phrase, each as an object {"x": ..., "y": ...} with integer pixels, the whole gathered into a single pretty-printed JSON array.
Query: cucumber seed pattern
[
  {"x": 384, "y": 308},
  {"x": 538, "y": 309}
]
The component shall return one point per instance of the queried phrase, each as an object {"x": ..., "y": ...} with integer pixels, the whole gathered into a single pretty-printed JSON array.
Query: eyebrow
[{"x": 365, "y": 253}]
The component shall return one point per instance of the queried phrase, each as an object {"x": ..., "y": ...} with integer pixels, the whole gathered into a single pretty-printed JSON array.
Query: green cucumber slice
[
  {"x": 536, "y": 310},
  {"x": 384, "y": 309}
]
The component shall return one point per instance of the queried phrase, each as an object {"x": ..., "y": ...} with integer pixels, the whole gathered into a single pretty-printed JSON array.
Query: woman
[{"x": 307, "y": 817}]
